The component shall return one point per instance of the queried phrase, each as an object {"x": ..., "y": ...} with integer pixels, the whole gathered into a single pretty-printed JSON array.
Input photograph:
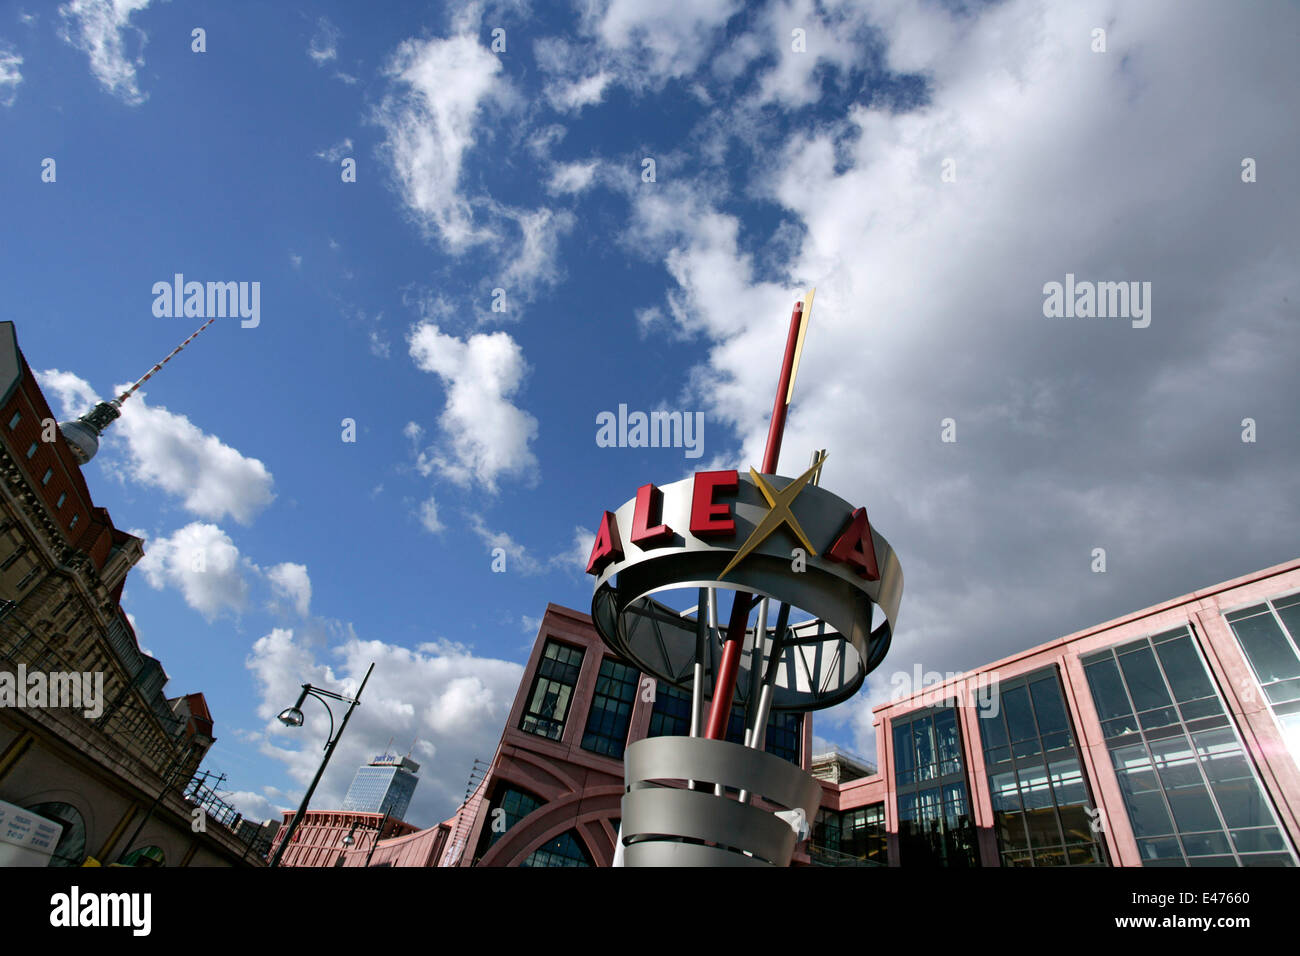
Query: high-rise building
[{"x": 385, "y": 785}]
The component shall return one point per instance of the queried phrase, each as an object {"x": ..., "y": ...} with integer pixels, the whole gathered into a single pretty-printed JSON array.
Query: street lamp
[{"x": 293, "y": 717}]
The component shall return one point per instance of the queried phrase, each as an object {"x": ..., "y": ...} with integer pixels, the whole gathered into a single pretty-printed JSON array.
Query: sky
[{"x": 475, "y": 227}]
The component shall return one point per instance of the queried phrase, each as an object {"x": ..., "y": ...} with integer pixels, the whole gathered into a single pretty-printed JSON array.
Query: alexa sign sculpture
[{"x": 766, "y": 540}]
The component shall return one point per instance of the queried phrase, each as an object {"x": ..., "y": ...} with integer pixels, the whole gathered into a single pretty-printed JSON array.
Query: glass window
[
  {"x": 564, "y": 850},
  {"x": 671, "y": 715},
  {"x": 1270, "y": 639},
  {"x": 935, "y": 826},
  {"x": 1270, "y": 653},
  {"x": 32, "y": 450},
  {"x": 923, "y": 741},
  {"x": 904, "y": 763},
  {"x": 63, "y": 496},
  {"x": 548, "y": 703},
  {"x": 509, "y": 806},
  {"x": 1042, "y": 803},
  {"x": 611, "y": 709},
  {"x": 71, "y": 848},
  {"x": 1145, "y": 684},
  {"x": 49, "y": 473},
  {"x": 13, "y": 422},
  {"x": 1184, "y": 788}
]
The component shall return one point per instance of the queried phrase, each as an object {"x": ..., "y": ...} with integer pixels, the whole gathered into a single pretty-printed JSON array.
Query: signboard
[
  {"x": 25, "y": 838},
  {"x": 785, "y": 539}
]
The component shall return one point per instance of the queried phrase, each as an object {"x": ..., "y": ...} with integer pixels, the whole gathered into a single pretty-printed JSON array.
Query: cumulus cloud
[
  {"x": 203, "y": 563},
  {"x": 1071, "y": 433},
  {"x": 75, "y": 395},
  {"x": 291, "y": 582},
  {"x": 442, "y": 697},
  {"x": 431, "y": 119},
  {"x": 101, "y": 29},
  {"x": 487, "y": 436},
  {"x": 534, "y": 261},
  {"x": 165, "y": 450},
  {"x": 213, "y": 480},
  {"x": 658, "y": 40}
]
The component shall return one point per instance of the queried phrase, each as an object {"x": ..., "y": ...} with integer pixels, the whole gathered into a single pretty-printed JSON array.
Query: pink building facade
[{"x": 1167, "y": 737}]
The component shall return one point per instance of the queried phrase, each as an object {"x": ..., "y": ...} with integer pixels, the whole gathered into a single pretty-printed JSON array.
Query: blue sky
[{"x": 794, "y": 143}]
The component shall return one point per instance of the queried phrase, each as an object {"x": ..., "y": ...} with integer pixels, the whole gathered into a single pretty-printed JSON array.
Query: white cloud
[
  {"x": 99, "y": 29},
  {"x": 75, "y": 394},
  {"x": 658, "y": 40},
  {"x": 572, "y": 177},
  {"x": 323, "y": 46},
  {"x": 432, "y": 118},
  {"x": 489, "y": 437},
  {"x": 295, "y": 260},
  {"x": 450, "y": 702},
  {"x": 529, "y": 625},
  {"x": 333, "y": 154},
  {"x": 201, "y": 562},
  {"x": 213, "y": 480},
  {"x": 518, "y": 560},
  {"x": 291, "y": 582},
  {"x": 429, "y": 516},
  {"x": 1089, "y": 434},
  {"x": 573, "y": 95},
  {"x": 164, "y": 450},
  {"x": 11, "y": 74},
  {"x": 534, "y": 261}
]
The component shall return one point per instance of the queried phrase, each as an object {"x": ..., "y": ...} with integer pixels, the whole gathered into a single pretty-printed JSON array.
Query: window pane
[
  {"x": 1020, "y": 718},
  {"x": 1184, "y": 669},
  {"x": 1107, "y": 689},
  {"x": 1269, "y": 651},
  {"x": 1144, "y": 681},
  {"x": 1048, "y": 705}
]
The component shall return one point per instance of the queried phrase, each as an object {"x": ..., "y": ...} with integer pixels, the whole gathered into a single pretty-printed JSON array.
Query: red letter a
[
  {"x": 854, "y": 547},
  {"x": 607, "y": 547}
]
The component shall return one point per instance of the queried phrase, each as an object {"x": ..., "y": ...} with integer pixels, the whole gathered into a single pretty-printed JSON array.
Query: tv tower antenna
[{"x": 82, "y": 435}]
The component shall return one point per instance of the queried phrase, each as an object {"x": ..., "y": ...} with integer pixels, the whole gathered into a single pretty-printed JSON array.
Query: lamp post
[{"x": 293, "y": 717}]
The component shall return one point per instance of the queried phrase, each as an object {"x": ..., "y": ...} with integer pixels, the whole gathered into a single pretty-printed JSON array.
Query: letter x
[{"x": 779, "y": 502}]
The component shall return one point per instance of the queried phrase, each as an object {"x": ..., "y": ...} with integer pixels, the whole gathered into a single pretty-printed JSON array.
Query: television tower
[{"x": 82, "y": 435}]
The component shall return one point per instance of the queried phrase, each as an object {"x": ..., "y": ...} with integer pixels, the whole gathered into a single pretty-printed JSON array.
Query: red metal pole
[{"x": 724, "y": 687}]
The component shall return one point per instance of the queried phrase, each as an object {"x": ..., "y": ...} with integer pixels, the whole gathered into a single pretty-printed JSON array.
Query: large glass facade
[
  {"x": 548, "y": 701},
  {"x": 564, "y": 850},
  {"x": 1191, "y": 793},
  {"x": 850, "y": 837},
  {"x": 1269, "y": 635},
  {"x": 671, "y": 717},
  {"x": 1040, "y": 797},
  {"x": 935, "y": 826},
  {"x": 507, "y": 807},
  {"x": 611, "y": 709},
  {"x": 671, "y": 714}
]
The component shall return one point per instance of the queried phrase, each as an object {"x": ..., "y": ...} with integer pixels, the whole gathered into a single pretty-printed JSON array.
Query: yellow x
[{"x": 779, "y": 502}]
